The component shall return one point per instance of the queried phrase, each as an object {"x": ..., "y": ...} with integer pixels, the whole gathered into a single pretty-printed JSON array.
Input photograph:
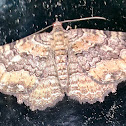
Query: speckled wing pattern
[
  {"x": 27, "y": 72},
  {"x": 84, "y": 64},
  {"x": 97, "y": 63}
]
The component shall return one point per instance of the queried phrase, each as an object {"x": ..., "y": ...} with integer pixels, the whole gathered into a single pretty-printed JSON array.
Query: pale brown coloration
[
  {"x": 84, "y": 64},
  {"x": 20, "y": 83}
]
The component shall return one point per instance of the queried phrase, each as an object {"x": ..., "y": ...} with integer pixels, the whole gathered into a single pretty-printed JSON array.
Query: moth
[{"x": 84, "y": 64}]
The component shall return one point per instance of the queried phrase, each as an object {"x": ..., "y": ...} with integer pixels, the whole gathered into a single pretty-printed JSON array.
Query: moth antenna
[
  {"x": 74, "y": 20},
  {"x": 82, "y": 19},
  {"x": 43, "y": 29},
  {"x": 46, "y": 27}
]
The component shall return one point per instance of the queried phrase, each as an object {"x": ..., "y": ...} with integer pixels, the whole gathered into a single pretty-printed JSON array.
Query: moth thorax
[
  {"x": 58, "y": 36},
  {"x": 59, "y": 41}
]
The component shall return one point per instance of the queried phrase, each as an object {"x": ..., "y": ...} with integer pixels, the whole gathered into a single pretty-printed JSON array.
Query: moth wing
[
  {"x": 46, "y": 94},
  {"x": 23, "y": 71},
  {"x": 100, "y": 63}
]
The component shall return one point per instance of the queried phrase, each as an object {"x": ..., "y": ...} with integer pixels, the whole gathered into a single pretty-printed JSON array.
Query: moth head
[{"x": 57, "y": 26}]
